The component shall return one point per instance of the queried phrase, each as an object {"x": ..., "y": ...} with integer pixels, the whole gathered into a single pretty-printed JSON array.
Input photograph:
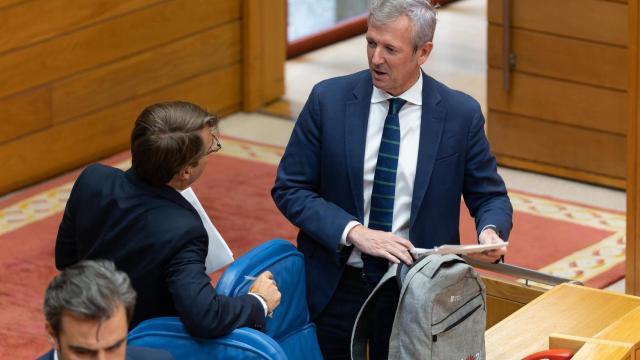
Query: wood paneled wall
[
  {"x": 566, "y": 112},
  {"x": 74, "y": 74}
]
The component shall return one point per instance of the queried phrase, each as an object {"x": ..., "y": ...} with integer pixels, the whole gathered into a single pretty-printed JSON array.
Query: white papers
[
  {"x": 459, "y": 249},
  {"x": 219, "y": 253}
]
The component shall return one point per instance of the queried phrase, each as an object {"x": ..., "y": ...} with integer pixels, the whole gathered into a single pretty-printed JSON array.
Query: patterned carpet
[{"x": 554, "y": 236}]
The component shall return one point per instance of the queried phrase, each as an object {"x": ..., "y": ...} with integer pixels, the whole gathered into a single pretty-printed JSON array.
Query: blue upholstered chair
[
  {"x": 168, "y": 333},
  {"x": 290, "y": 325},
  {"x": 289, "y": 333}
]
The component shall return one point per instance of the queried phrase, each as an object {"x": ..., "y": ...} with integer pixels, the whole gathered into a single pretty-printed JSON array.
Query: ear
[
  {"x": 185, "y": 173},
  {"x": 424, "y": 51},
  {"x": 53, "y": 339}
]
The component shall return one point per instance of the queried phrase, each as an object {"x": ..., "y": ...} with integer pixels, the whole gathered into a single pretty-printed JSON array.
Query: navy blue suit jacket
[
  {"x": 133, "y": 353},
  {"x": 319, "y": 184},
  {"x": 155, "y": 236}
]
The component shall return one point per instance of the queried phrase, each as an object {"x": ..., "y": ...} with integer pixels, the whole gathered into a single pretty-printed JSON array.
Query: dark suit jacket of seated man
[
  {"x": 153, "y": 234},
  {"x": 133, "y": 353}
]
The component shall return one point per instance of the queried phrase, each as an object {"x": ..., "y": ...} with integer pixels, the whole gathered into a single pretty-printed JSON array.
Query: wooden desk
[{"x": 572, "y": 310}]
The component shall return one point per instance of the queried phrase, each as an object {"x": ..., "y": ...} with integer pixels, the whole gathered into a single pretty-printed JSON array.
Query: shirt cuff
[
  {"x": 490, "y": 226},
  {"x": 343, "y": 239},
  {"x": 263, "y": 302}
]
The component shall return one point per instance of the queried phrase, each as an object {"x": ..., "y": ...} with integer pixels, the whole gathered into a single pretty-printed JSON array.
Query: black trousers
[{"x": 336, "y": 321}]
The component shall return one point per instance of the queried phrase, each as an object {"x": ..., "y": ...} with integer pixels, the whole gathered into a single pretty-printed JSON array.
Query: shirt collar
[
  {"x": 412, "y": 95},
  {"x": 55, "y": 354}
]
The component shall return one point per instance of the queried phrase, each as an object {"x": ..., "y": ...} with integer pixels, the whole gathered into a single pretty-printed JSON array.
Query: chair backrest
[
  {"x": 290, "y": 325},
  {"x": 168, "y": 333}
]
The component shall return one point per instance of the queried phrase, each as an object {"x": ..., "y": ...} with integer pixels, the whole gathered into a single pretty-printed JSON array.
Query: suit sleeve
[
  {"x": 204, "y": 313},
  {"x": 297, "y": 185},
  {"x": 66, "y": 252},
  {"x": 484, "y": 191}
]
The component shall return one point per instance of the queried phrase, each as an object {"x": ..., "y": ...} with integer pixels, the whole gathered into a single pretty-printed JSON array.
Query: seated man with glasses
[{"x": 139, "y": 220}]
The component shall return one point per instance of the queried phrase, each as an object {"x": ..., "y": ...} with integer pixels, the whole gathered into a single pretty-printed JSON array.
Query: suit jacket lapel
[
  {"x": 356, "y": 118},
  {"x": 431, "y": 126}
]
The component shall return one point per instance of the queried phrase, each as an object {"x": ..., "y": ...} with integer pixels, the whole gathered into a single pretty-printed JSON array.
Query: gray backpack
[{"x": 441, "y": 312}]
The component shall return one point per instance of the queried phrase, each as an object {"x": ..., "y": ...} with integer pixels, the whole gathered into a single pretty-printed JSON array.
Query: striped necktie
[{"x": 384, "y": 187}]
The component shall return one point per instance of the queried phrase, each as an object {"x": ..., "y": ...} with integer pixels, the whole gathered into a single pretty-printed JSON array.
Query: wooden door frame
[
  {"x": 264, "y": 50},
  {"x": 632, "y": 280}
]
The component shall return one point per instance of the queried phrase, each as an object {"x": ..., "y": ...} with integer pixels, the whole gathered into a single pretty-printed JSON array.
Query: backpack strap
[{"x": 361, "y": 326}]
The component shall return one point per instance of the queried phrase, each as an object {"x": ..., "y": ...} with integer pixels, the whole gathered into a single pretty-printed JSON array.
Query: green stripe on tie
[
  {"x": 387, "y": 156},
  {"x": 384, "y": 182},
  {"x": 392, "y": 127},
  {"x": 383, "y": 196},
  {"x": 381, "y": 210},
  {"x": 391, "y": 142},
  {"x": 385, "y": 169}
]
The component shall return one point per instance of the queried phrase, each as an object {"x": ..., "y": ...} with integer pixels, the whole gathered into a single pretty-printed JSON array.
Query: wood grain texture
[
  {"x": 559, "y": 101},
  {"x": 602, "y": 351},
  {"x": 562, "y": 58},
  {"x": 24, "y": 113},
  {"x": 562, "y": 172},
  {"x": 145, "y": 72},
  {"x": 505, "y": 297},
  {"x": 632, "y": 253},
  {"x": 557, "y": 144},
  {"x": 574, "y": 343},
  {"x": 511, "y": 290},
  {"x": 8, "y": 3},
  {"x": 626, "y": 329},
  {"x": 110, "y": 40},
  {"x": 593, "y": 20},
  {"x": 565, "y": 309},
  {"x": 89, "y": 138},
  {"x": 37, "y": 20},
  {"x": 264, "y": 51}
]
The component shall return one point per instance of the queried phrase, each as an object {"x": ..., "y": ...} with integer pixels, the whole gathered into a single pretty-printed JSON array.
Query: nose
[{"x": 376, "y": 57}]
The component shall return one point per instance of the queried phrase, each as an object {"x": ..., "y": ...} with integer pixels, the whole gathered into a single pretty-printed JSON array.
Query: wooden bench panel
[
  {"x": 142, "y": 73},
  {"x": 74, "y": 143},
  {"x": 38, "y": 20},
  {"x": 25, "y": 113},
  {"x": 111, "y": 40}
]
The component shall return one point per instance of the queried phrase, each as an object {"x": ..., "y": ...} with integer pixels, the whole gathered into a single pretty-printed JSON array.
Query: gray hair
[
  {"x": 421, "y": 13},
  {"x": 92, "y": 289}
]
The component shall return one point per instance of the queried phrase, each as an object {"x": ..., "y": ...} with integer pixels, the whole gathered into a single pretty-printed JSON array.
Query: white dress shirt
[{"x": 410, "y": 117}]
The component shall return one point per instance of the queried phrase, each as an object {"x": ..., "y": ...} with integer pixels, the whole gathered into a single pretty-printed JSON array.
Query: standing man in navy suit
[
  {"x": 139, "y": 220},
  {"x": 87, "y": 307},
  {"x": 376, "y": 164}
]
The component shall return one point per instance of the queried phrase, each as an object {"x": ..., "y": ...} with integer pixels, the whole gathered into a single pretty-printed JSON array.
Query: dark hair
[
  {"x": 166, "y": 138},
  {"x": 92, "y": 289}
]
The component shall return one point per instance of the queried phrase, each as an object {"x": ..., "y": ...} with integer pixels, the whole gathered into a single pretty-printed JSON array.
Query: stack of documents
[{"x": 219, "y": 253}]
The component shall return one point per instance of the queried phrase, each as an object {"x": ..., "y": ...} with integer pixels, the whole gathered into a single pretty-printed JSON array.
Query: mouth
[{"x": 378, "y": 73}]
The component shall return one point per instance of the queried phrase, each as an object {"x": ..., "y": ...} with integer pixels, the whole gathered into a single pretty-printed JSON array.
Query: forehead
[
  {"x": 93, "y": 334},
  {"x": 398, "y": 31}
]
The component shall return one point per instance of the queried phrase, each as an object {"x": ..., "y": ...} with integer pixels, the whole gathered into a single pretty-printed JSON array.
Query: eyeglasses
[{"x": 215, "y": 146}]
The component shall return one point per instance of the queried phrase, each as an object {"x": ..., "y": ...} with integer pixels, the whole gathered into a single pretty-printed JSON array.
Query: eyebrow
[{"x": 115, "y": 345}]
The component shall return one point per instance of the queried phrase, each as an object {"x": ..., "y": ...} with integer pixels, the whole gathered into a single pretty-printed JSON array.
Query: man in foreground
[{"x": 87, "y": 307}]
